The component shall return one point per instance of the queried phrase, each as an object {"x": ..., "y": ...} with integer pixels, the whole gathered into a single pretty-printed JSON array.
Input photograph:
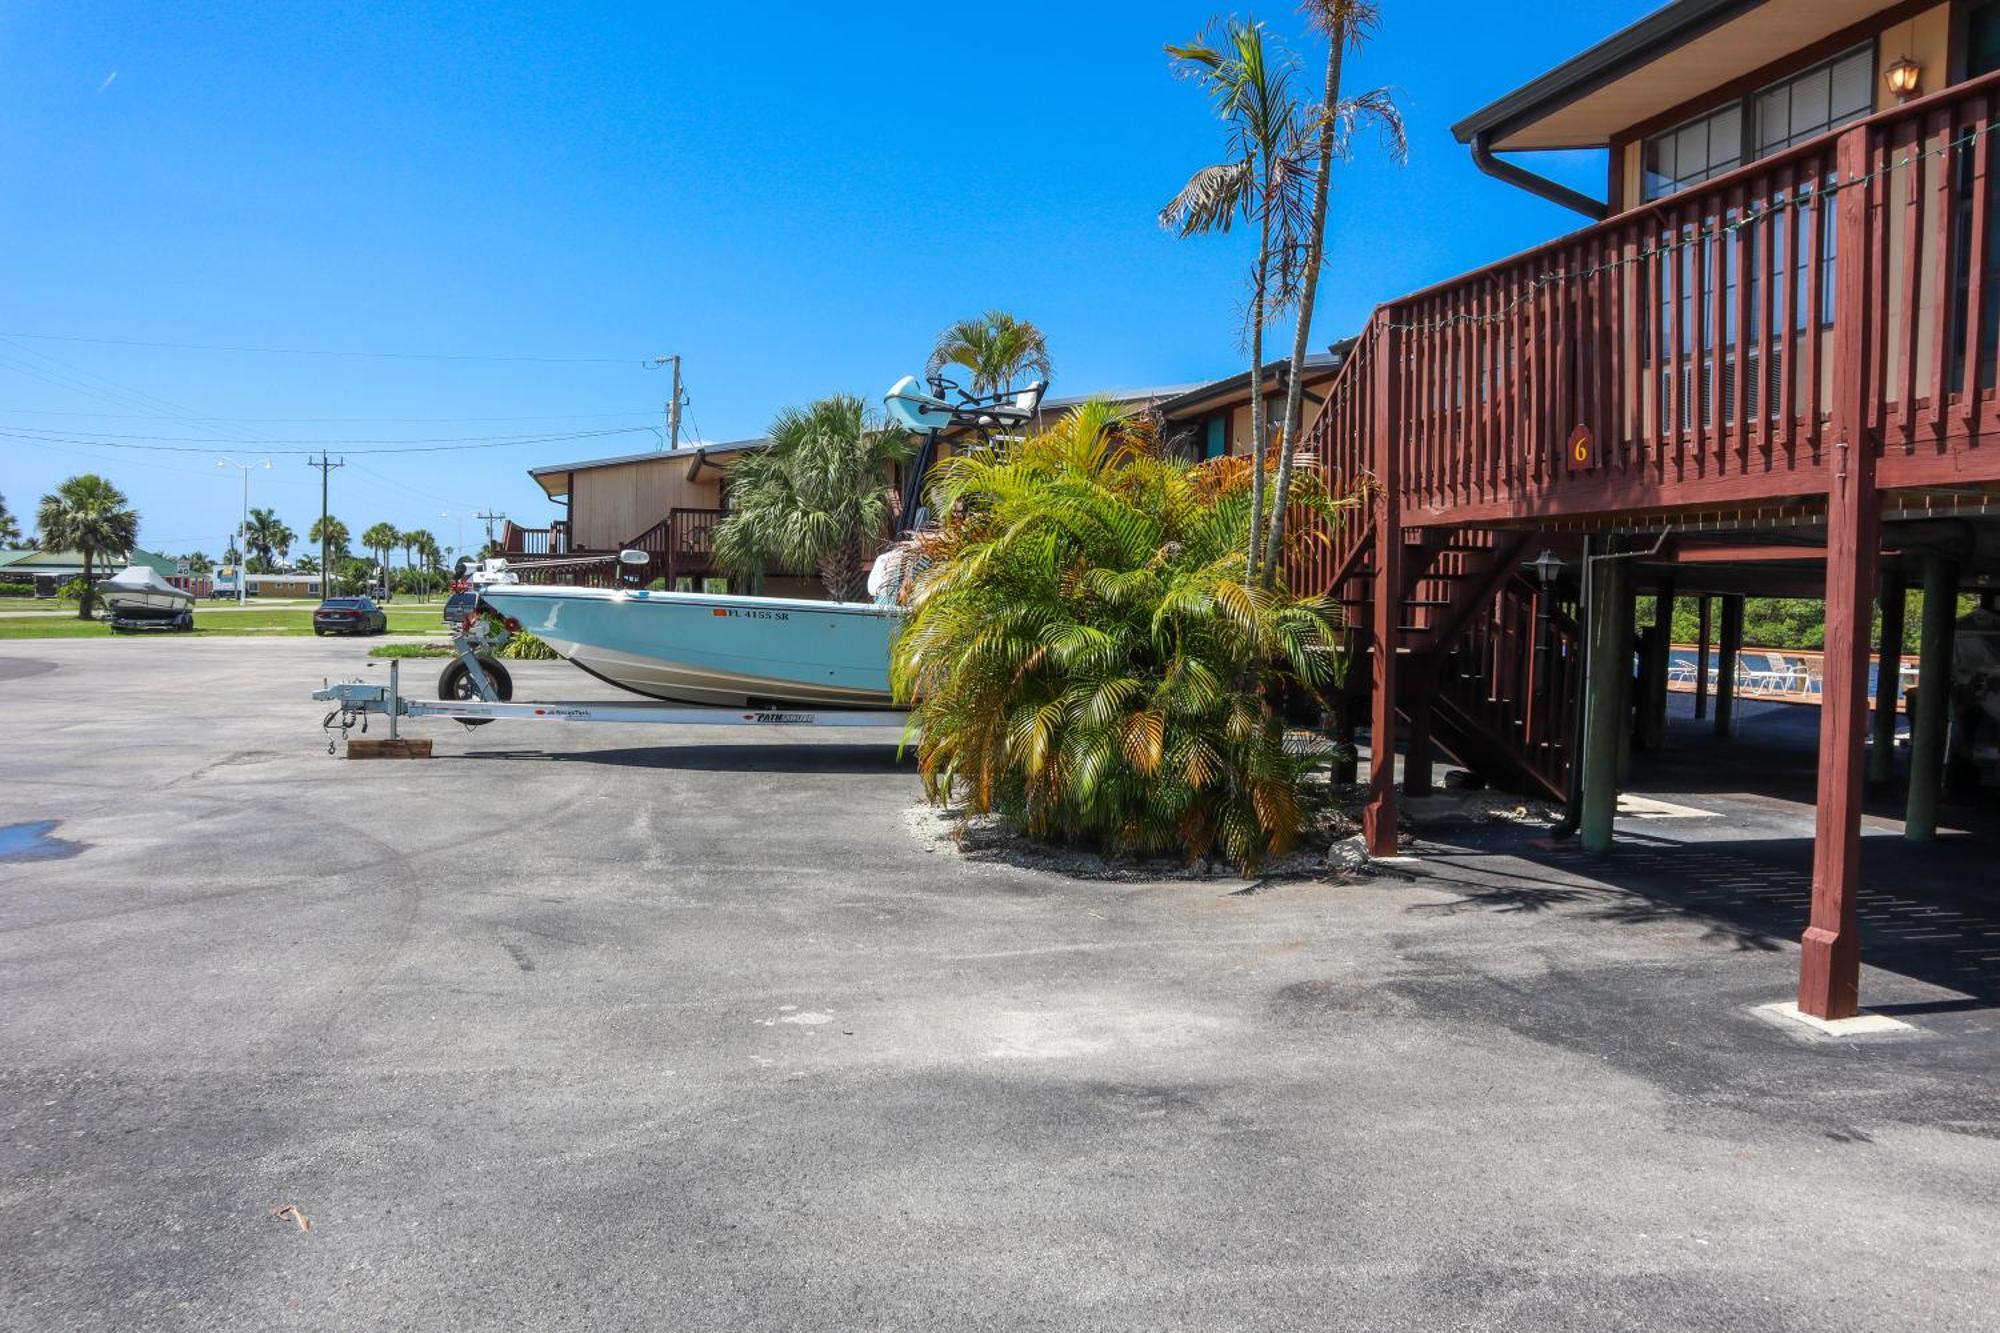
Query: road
[{"x": 577, "y": 1027}]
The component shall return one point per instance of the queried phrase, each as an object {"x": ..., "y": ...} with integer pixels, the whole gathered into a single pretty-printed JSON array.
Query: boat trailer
[{"x": 475, "y": 690}]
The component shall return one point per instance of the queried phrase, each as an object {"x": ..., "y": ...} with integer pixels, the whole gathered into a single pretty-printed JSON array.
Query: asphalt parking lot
[{"x": 588, "y": 1027}]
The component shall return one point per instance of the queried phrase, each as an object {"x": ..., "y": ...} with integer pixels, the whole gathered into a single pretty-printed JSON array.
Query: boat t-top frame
[{"x": 942, "y": 407}]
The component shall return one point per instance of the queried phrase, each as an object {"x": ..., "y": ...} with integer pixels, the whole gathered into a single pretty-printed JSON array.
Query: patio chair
[{"x": 1780, "y": 675}]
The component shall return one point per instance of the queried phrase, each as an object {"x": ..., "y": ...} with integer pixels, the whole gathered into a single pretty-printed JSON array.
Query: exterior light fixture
[
  {"x": 1904, "y": 77},
  {"x": 1548, "y": 565}
]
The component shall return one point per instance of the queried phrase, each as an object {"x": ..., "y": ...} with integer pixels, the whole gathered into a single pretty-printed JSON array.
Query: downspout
[{"x": 1520, "y": 177}]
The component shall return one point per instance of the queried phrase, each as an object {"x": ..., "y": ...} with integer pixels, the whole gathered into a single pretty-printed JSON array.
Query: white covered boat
[{"x": 137, "y": 595}]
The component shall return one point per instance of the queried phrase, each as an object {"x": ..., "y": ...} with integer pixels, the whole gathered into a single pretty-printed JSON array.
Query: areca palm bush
[
  {"x": 817, "y": 499},
  {"x": 1085, "y": 655}
]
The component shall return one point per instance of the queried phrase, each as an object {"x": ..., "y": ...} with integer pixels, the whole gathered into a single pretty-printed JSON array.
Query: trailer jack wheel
[{"x": 456, "y": 685}]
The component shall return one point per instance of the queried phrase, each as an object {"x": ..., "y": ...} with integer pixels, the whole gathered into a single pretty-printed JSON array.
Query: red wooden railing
[
  {"x": 1683, "y": 354},
  {"x": 681, "y": 544},
  {"x": 692, "y": 550},
  {"x": 1337, "y": 444},
  {"x": 517, "y": 540}
]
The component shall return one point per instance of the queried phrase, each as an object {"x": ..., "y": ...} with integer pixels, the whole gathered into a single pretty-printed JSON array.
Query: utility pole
[
  {"x": 674, "y": 407},
  {"x": 326, "y": 468},
  {"x": 489, "y": 519},
  {"x": 676, "y": 402}
]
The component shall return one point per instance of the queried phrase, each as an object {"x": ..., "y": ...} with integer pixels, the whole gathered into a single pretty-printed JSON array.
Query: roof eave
[{"x": 1615, "y": 56}]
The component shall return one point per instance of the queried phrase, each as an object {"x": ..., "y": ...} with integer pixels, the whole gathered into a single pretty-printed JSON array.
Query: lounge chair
[{"x": 1780, "y": 675}]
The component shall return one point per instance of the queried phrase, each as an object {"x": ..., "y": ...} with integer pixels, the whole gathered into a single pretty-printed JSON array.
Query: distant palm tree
[
  {"x": 818, "y": 498},
  {"x": 996, "y": 347},
  {"x": 90, "y": 515},
  {"x": 419, "y": 545},
  {"x": 10, "y": 530},
  {"x": 267, "y": 539},
  {"x": 330, "y": 534},
  {"x": 1264, "y": 179},
  {"x": 380, "y": 540},
  {"x": 199, "y": 563}
]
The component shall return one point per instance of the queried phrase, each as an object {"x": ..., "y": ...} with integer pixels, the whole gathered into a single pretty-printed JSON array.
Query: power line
[
  {"x": 168, "y": 416},
  {"x": 190, "y": 445},
  {"x": 334, "y": 352}
]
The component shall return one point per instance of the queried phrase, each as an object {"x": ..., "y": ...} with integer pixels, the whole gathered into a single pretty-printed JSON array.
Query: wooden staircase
[{"x": 1491, "y": 660}]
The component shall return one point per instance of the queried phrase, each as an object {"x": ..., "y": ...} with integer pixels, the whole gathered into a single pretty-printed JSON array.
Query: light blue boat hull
[{"x": 701, "y": 648}]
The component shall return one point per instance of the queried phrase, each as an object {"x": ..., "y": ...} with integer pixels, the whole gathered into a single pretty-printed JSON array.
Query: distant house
[
  {"x": 49, "y": 570},
  {"x": 668, "y": 502}
]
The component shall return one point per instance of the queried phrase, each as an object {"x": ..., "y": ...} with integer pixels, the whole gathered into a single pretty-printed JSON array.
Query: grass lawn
[{"x": 252, "y": 622}]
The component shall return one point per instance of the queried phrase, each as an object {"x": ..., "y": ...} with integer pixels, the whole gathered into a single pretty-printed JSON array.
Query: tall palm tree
[
  {"x": 199, "y": 564},
  {"x": 1263, "y": 179},
  {"x": 380, "y": 540},
  {"x": 10, "y": 530},
  {"x": 996, "y": 347},
  {"x": 407, "y": 539},
  {"x": 267, "y": 538},
  {"x": 425, "y": 547},
  {"x": 818, "y": 498},
  {"x": 90, "y": 515},
  {"x": 1345, "y": 24},
  {"x": 330, "y": 535}
]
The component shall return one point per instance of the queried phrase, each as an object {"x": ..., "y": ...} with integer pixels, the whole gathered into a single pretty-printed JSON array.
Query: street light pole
[{"x": 243, "y": 532}]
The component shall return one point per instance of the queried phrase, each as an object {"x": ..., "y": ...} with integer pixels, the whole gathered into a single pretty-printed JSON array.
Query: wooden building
[{"x": 1766, "y": 365}]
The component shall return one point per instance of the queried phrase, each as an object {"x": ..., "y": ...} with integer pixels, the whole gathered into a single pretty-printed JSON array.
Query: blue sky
[{"x": 795, "y": 198}]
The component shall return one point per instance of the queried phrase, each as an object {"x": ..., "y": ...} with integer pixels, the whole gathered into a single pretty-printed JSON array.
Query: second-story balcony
[{"x": 1724, "y": 347}]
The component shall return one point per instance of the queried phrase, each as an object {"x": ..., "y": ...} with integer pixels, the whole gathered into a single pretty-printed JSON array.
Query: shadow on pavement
[{"x": 845, "y": 758}]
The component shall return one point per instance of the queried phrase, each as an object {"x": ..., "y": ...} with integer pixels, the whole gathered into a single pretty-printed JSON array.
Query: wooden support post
[
  {"x": 1830, "y": 953},
  {"x": 1417, "y": 749},
  {"x": 1659, "y": 658},
  {"x": 1729, "y": 649},
  {"x": 1610, "y": 665},
  {"x": 1888, "y": 679},
  {"x": 1702, "y": 640},
  {"x": 1933, "y": 714},
  {"x": 1378, "y": 820}
]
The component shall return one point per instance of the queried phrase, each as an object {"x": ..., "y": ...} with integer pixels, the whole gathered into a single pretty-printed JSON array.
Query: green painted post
[
  {"x": 1888, "y": 677},
  {"x": 1927, "y": 728},
  {"x": 1604, "y": 693}
]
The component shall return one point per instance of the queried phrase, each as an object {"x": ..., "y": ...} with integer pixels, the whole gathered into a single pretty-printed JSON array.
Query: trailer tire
[{"x": 455, "y": 685}]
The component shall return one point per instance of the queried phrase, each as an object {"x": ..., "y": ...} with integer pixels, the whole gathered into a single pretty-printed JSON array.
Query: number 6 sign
[{"x": 1582, "y": 448}]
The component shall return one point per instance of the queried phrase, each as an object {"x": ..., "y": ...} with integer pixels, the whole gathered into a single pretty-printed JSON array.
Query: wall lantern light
[{"x": 1904, "y": 77}]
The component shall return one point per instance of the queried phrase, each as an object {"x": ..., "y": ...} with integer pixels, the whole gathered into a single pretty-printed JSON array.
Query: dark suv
[{"x": 350, "y": 615}]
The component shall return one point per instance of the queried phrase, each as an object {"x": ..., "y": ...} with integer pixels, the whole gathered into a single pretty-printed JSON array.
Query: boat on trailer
[
  {"x": 137, "y": 597},
  {"x": 734, "y": 660},
  {"x": 713, "y": 649}
]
